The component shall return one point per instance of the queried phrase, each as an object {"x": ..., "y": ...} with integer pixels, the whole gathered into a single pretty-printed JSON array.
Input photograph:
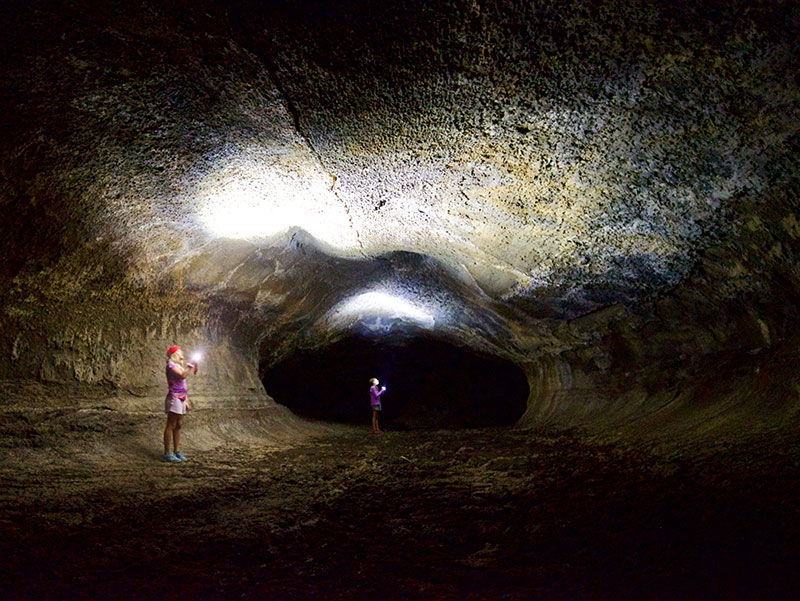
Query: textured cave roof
[{"x": 539, "y": 159}]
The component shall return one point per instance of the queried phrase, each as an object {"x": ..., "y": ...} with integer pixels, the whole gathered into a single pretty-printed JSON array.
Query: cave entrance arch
[{"x": 430, "y": 384}]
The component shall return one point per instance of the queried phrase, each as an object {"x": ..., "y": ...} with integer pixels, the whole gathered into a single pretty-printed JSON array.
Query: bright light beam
[
  {"x": 380, "y": 304},
  {"x": 250, "y": 199}
]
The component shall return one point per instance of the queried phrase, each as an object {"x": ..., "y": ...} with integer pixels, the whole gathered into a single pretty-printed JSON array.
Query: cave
[
  {"x": 564, "y": 234},
  {"x": 430, "y": 384}
]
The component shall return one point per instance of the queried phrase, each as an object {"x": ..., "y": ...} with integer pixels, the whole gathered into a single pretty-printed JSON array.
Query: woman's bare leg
[
  {"x": 168, "y": 430},
  {"x": 172, "y": 433},
  {"x": 176, "y": 432}
]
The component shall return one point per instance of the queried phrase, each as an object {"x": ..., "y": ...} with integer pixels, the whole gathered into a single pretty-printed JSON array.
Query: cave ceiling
[{"x": 470, "y": 165}]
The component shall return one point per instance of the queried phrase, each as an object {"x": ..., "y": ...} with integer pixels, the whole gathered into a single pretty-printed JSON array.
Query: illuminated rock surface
[{"x": 584, "y": 212}]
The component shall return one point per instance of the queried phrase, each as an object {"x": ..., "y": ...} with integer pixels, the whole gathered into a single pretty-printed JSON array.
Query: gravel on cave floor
[{"x": 485, "y": 514}]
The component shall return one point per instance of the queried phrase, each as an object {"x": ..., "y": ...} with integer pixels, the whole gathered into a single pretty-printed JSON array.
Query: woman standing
[
  {"x": 177, "y": 402},
  {"x": 375, "y": 402}
]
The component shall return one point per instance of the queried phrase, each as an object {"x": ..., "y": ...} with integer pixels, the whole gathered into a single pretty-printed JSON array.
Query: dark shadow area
[
  {"x": 430, "y": 384},
  {"x": 473, "y": 515}
]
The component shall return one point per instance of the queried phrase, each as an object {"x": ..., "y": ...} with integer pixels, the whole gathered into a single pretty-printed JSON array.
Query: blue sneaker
[
  {"x": 171, "y": 457},
  {"x": 180, "y": 456}
]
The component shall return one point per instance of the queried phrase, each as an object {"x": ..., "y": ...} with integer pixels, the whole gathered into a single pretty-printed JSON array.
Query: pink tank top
[{"x": 176, "y": 384}]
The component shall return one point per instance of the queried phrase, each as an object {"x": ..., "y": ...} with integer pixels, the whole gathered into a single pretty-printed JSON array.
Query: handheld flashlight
[{"x": 196, "y": 359}]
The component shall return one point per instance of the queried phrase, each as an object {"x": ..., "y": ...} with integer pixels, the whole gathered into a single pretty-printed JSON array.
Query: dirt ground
[{"x": 496, "y": 514}]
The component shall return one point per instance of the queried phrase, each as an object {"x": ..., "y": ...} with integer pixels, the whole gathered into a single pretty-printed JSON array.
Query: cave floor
[{"x": 478, "y": 514}]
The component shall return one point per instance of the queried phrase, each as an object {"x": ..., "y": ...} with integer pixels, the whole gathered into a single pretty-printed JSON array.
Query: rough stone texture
[
  {"x": 589, "y": 147},
  {"x": 603, "y": 193}
]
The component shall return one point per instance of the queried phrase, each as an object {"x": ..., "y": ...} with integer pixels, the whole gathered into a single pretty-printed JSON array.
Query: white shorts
[{"x": 173, "y": 404}]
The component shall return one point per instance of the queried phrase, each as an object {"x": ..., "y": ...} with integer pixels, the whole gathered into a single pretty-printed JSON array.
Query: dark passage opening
[{"x": 430, "y": 384}]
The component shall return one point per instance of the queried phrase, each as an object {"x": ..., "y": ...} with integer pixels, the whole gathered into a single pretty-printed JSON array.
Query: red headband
[{"x": 172, "y": 349}]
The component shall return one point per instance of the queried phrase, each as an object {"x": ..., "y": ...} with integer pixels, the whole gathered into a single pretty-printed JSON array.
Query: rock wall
[
  {"x": 116, "y": 340},
  {"x": 713, "y": 355}
]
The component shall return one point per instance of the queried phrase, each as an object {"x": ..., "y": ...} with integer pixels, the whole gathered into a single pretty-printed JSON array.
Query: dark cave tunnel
[{"x": 430, "y": 384}]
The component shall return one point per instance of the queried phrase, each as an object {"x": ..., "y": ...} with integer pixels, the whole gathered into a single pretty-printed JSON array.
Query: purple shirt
[
  {"x": 375, "y": 395},
  {"x": 176, "y": 384}
]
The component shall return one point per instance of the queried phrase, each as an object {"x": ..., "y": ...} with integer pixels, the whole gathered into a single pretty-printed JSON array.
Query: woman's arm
[{"x": 183, "y": 373}]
